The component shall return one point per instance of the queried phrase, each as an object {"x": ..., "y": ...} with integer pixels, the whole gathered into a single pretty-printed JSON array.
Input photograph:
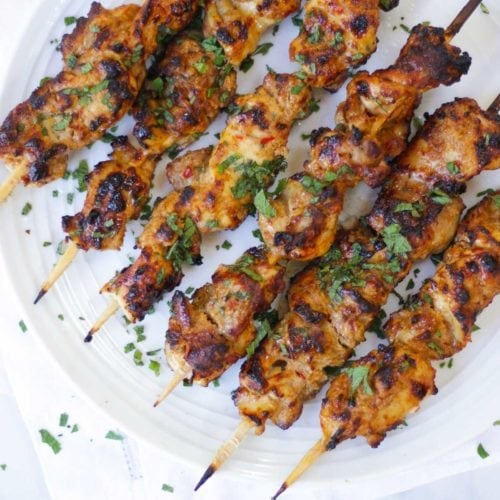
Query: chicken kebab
[
  {"x": 187, "y": 336},
  {"x": 183, "y": 93},
  {"x": 333, "y": 301},
  {"x": 104, "y": 68},
  {"x": 214, "y": 192},
  {"x": 373, "y": 125},
  {"x": 374, "y": 394}
]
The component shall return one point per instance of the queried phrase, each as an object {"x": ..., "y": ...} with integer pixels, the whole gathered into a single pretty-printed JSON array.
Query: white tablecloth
[{"x": 33, "y": 395}]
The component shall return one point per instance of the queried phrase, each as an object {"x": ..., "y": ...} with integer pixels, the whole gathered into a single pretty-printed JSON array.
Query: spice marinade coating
[
  {"x": 175, "y": 106},
  {"x": 334, "y": 300},
  {"x": 250, "y": 153},
  {"x": 437, "y": 323},
  {"x": 104, "y": 67},
  {"x": 373, "y": 128},
  {"x": 239, "y": 24},
  {"x": 185, "y": 335}
]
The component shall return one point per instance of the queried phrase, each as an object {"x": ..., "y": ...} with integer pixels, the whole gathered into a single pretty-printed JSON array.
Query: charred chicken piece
[
  {"x": 104, "y": 66},
  {"x": 341, "y": 294},
  {"x": 238, "y": 24},
  {"x": 117, "y": 192},
  {"x": 247, "y": 158},
  {"x": 182, "y": 94},
  {"x": 373, "y": 127},
  {"x": 436, "y": 324},
  {"x": 210, "y": 332},
  {"x": 335, "y": 38}
]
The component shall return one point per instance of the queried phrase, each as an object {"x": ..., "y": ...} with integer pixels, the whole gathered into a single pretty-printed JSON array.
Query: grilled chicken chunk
[
  {"x": 373, "y": 127},
  {"x": 175, "y": 106},
  {"x": 391, "y": 381},
  {"x": 210, "y": 332},
  {"x": 335, "y": 38},
  {"x": 334, "y": 300},
  {"x": 249, "y": 155},
  {"x": 182, "y": 94},
  {"x": 104, "y": 66},
  {"x": 238, "y": 24},
  {"x": 117, "y": 192}
]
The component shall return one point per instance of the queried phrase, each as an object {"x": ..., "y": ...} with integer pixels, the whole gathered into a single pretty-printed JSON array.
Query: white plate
[{"x": 195, "y": 421}]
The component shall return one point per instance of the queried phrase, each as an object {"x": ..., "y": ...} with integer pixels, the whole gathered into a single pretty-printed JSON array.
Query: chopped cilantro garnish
[
  {"x": 69, "y": 20},
  {"x": 263, "y": 330},
  {"x": 358, "y": 376},
  {"x": 50, "y": 440},
  {"x": 440, "y": 196},
  {"x": 75, "y": 428},
  {"x": 22, "y": 326},
  {"x": 483, "y": 8},
  {"x": 26, "y": 209},
  {"x": 482, "y": 452},
  {"x": 395, "y": 242},
  {"x": 167, "y": 487},
  {"x": 63, "y": 419},
  {"x": 154, "y": 366},
  {"x": 226, "y": 245},
  {"x": 138, "y": 358},
  {"x": 263, "y": 205},
  {"x": 114, "y": 436},
  {"x": 129, "y": 347},
  {"x": 242, "y": 265},
  {"x": 80, "y": 175}
]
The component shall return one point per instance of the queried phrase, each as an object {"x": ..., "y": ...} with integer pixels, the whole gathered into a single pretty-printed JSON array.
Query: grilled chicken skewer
[
  {"x": 375, "y": 394},
  {"x": 335, "y": 38},
  {"x": 335, "y": 299},
  {"x": 373, "y": 127},
  {"x": 216, "y": 195},
  {"x": 104, "y": 67},
  {"x": 239, "y": 24},
  {"x": 183, "y": 93},
  {"x": 185, "y": 327}
]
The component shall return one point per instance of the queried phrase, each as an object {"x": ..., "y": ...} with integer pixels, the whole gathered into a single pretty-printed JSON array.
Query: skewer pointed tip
[
  {"x": 113, "y": 306},
  {"x": 206, "y": 476},
  {"x": 89, "y": 337},
  {"x": 457, "y": 23},
  {"x": 283, "y": 487},
  {"x": 41, "y": 293},
  {"x": 177, "y": 378}
]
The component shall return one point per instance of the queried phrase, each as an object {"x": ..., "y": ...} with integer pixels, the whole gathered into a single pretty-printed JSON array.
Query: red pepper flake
[
  {"x": 187, "y": 173},
  {"x": 266, "y": 140}
]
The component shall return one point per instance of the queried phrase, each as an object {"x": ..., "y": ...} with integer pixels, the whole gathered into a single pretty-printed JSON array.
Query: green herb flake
[
  {"x": 439, "y": 196},
  {"x": 139, "y": 331},
  {"x": 201, "y": 66},
  {"x": 60, "y": 317},
  {"x": 62, "y": 124},
  {"x": 226, "y": 246},
  {"x": 63, "y": 420},
  {"x": 75, "y": 428},
  {"x": 404, "y": 27},
  {"x": 154, "y": 366},
  {"x": 358, "y": 376},
  {"x": 167, "y": 487},
  {"x": 86, "y": 68},
  {"x": 80, "y": 175},
  {"x": 47, "y": 244},
  {"x": 115, "y": 436},
  {"x": 395, "y": 242},
  {"x": 26, "y": 209},
  {"x": 138, "y": 358},
  {"x": 69, "y": 20},
  {"x": 216, "y": 383},
  {"x": 263, "y": 205},
  {"x": 452, "y": 168},
  {"x": 22, "y": 326},
  {"x": 483, "y": 8},
  {"x": 3, "y": 466},
  {"x": 50, "y": 440},
  {"x": 129, "y": 347},
  {"x": 482, "y": 452},
  {"x": 263, "y": 330}
]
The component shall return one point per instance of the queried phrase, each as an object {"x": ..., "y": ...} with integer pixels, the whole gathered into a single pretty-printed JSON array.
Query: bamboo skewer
[
  {"x": 113, "y": 306},
  {"x": 456, "y": 25},
  {"x": 8, "y": 186},
  {"x": 226, "y": 450},
  {"x": 61, "y": 265},
  {"x": 177, "y": 378},
  {"x": 307, "y": 460}
]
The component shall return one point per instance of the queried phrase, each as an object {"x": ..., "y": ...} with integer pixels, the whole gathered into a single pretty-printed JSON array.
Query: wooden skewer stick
[
  {"x": 457, "y": 23},
  {"x": 8, "y": 186},
  {"x": 110, "y": 310},
  {"x": 226, "y": 450},
  {"x": 494, "y": 107},
  {"x": 61, "y": 265},
  {"x": 307, "y": 460},
  {"x": 177, "y": 378}
]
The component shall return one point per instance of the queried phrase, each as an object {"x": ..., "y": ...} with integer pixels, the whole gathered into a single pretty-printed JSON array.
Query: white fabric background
[{"x": 33, "y": 393}]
